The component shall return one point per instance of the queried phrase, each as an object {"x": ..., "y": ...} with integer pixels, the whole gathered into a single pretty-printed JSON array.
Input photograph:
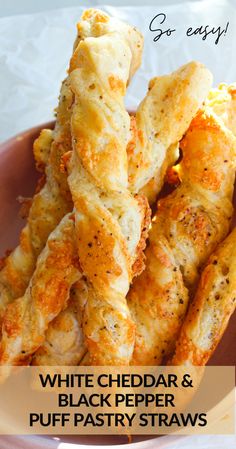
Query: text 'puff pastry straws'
[
  {"x": 108, "y": 219},
  {"x": 187, "y": 227}
]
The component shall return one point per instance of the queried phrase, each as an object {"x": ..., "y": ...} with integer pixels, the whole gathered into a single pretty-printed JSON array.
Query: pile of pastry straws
[{"x": 97, "y": 278}]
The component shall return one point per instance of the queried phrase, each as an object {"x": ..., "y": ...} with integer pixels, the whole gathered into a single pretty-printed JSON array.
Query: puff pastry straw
[
  {"x": 97, "y": 23},
  {"x": 161, "y": 120},
  {"x": 187, "y": 227},
  {"x": 211, "y": 309},
  {"x": 26, "y": 319},
  {"x": 108, "y": 219},
  {"x": 167, "y": 111},
  {"x": 120, "y": 67}
]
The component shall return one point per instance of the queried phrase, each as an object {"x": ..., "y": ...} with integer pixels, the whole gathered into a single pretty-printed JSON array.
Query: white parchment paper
[{"x": 34, "y": 53}]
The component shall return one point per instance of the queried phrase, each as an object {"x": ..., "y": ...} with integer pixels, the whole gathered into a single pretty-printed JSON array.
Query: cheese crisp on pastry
[
  {"x": 211, "y": 309},
  {"x": 223, "y": 102},
  {"x": 97, "y": 23},
  {"x": 185, "y": 230},
  {"x": 26, "y": 319},
  {"x": 161, "y": 120}
]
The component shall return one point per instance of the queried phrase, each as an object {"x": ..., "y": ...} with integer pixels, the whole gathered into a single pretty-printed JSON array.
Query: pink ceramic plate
[{"x": 18, "y": 177}]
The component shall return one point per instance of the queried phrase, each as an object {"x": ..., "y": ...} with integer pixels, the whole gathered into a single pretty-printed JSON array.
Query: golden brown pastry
[
  {"x": 222, "y": 101},
  {"x": 161, "y": 120},
  {"x": 108, "y": 219},
  {"x": 26, "y": 319},
  {"x": 213, "y": 305},
  {"x": 64, "y": 343},
  {"x": 175, "y": 99},
  {"x": 98, "y": 177},
  {"x": 187, "y": 227},
  {"x": 97, "y": 23},
  {"x": 115, "y": 44}
]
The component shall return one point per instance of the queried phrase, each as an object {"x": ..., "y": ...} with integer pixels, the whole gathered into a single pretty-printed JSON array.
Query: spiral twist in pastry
[
  {"x": 188, "y": 225},
  {"x": 108, "y": 219},
  {"x": 26, "y": 319},
  {"x": 211, "y": 309}
]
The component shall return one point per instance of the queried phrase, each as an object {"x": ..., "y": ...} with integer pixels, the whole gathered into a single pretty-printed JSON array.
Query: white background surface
[{"x": 35, "y": 43}]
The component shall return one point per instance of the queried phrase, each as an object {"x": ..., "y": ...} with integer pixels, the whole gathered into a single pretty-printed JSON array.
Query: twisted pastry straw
[
  {"x": 214, "y": 302},
  {"x": 12, "y": 353},
  {"x": 161, "y": 119},
  {"x": 26, "y": 319},
  {"x": 186, "y": 229},
  {"x": 211, "y": 309},
  {"x": 167, "y": 110},
  {"x": 97, "y": 23},
  {"x": 108, "y": 219}
]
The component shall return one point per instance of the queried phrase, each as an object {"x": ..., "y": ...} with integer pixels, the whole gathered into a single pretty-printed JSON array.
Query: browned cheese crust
[
  {"x": 211, "y": 309},
  {"x": 162, "y": 118},
  {"x": 187, "y": 227},
  {"x": 26, "y": 319}
]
